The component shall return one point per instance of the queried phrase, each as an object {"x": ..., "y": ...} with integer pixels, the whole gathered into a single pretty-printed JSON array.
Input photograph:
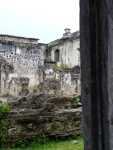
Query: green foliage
[
  {"x": 76, "y": 99},
  {"x": 60, "y": 67},
  {"x": 22, "y": 143},
  {"x": 70, "y": 144},
  {"x": 4, "y": 109}
]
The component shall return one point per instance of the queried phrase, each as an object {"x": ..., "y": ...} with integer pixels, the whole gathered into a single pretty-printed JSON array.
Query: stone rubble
[{"x": 38, "y": 115}]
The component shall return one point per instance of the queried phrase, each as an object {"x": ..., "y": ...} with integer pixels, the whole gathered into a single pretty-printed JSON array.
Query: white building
[
  {"x": 65, "y": 50},
  {"x": 64, "y": 55}
]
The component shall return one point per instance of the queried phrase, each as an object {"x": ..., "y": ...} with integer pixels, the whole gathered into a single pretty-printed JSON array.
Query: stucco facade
[{"x": 65, "y": 50}]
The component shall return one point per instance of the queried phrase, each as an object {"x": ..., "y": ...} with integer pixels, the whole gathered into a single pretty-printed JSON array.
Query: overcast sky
[{"x": 43, "y": 19}]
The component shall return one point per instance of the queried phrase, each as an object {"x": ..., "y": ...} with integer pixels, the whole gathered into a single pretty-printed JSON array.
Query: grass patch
[{"x": 71, "y": 144}]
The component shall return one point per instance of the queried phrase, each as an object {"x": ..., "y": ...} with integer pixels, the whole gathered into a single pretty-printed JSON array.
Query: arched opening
[
  {"x": 46, "y": 53},
  {"x": 57, "y": 55}
]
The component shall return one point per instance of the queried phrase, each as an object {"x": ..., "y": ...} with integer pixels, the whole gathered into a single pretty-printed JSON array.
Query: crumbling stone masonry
[
  {"x": 5, "y": 70},
  {"x": 19, "y": 86},
  {"x": 25, "y": 54},
  {"x": 39, "y": 115},
  {"x": 30, "y": 59}
]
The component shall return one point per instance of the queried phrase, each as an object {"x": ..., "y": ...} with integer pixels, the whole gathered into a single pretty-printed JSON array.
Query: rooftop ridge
[{"x": 19, "y": 37}]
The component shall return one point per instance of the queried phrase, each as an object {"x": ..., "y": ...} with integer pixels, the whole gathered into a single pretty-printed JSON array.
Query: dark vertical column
[
  {"x": 96, "y": 42},
  {"x": 0, "y": 76},
  {"x": 110, "y": 71}
]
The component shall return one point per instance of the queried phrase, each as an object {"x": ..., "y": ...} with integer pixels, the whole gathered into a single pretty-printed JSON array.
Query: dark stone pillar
[
  {"x": 96, "y": 27},
  {"x": 0, "y": 77}
]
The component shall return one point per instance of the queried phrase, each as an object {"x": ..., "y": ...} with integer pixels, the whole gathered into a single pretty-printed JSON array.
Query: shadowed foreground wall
[{"x": 96, "y": 27}]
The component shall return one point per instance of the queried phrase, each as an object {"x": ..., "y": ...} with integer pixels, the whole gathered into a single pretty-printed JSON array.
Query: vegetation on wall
[
  {"x": 60, "y": 67},
  {"x": 77, "y": 100},
  {"x": 4, "y": 110},
  {"x": 26, "y": 46}
]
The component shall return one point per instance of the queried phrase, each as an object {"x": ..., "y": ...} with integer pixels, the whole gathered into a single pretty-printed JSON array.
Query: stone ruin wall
[
  {"x": 28, "y": 61},
  {"x": 61, "y": 81},
  {"x": 43, "y": 115}
]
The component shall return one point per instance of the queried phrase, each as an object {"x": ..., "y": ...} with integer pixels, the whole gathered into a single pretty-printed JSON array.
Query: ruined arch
[{"x": 57, "y": 55}]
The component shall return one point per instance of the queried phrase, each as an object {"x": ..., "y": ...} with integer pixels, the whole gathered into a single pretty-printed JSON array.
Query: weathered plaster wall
[
  {"x": 69, "y": 52},
  {"x": 68, "y": 85},
  {"x": 26, "y": 58},
  {"x": 5, "y": 70}
]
